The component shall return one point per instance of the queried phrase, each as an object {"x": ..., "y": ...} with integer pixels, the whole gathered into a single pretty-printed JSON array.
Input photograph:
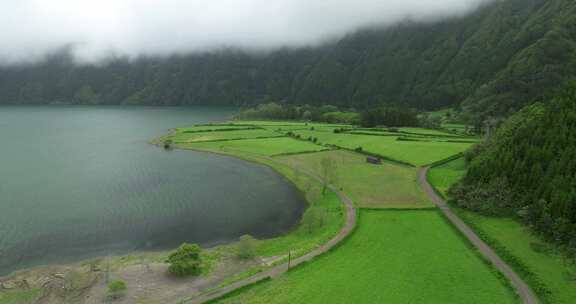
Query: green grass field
[
  {"x": 292, "y": 125},
  {"x": 369, "y": 186},
  {"x": 547, "y": 267},
  {"x": 182, "y": 137},
  {"x": 426, "y": 131},
  {"x": 262, "y": 147},
  {"x": 441, "y": 113},
  {"x": 414, "y": 152},
  {"x": 393, "y": 257},
  {"x": 443, "y": 176},
  {"x": 454, "y": 127},
  {"x": 214, "y": 127},
  {"x": 19, "y": 296}
]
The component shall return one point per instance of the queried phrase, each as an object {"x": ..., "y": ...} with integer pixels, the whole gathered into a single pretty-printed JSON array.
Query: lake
[{"x": 79, "y": 182}]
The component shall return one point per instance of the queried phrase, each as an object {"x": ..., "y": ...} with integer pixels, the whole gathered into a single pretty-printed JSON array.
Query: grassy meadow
[
  {"x": 551, "y": 276},
  {"x": 185, "y": 137},
  {"x": 392, "y": 257},
  {"x": 418, "y": 153},
  {"x": 369, "y": 186},
  {"x": 257, "y": 147},
  {"x": 443, "y": 176},
  {"x": 396, "y": 255}
]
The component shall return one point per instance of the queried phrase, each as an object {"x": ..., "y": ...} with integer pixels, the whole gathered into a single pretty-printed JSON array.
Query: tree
[
  {"x": 186, "y": 260},
  {"x": 86, "y": 95},
  {"x": 329, "y": 172},
  {"x": 314, "y": 217},
  {"x": 117, "y": 289},
  {"x": 525, "y": 168},
  {"x": 247, "y": 247}
]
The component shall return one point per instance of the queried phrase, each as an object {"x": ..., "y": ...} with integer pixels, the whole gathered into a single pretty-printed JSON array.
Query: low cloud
[{"x": 96, "y": 28}]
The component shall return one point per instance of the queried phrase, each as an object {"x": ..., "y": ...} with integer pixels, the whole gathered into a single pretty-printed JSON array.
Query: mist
[{"x": 97, "y": 28}]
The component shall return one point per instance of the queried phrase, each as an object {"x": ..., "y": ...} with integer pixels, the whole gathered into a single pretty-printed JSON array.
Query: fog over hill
[
  {"x": 424, "y": 54},
  {"x": 30, "y": 28}
]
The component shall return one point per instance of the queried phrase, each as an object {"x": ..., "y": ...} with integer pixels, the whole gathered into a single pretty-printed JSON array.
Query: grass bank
[
  {"x": 393, "y": 257},
  {"x": 541, "y": 265}
]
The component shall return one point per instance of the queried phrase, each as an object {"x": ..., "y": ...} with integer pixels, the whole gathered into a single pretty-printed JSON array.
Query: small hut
[{"x": 373, "y": 160}]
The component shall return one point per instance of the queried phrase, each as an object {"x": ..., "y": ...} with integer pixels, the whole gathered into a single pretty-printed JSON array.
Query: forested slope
[
  {"x": 528, "y": 169},
  {"x": 495, "y": 60}
]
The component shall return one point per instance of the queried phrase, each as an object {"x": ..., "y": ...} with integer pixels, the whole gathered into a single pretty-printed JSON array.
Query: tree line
[
  {"x": 527, "y": 169},
  {"x": 388, "y": 115},
  {"x": 495, "y": 60}
]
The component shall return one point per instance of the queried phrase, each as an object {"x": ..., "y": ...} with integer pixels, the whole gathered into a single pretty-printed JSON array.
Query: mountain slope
[
  {"x": 494, "y": 61},
  {"x": 528, "y": 169}
]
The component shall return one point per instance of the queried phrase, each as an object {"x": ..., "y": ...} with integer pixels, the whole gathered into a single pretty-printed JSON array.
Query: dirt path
[
  {"x": 280, "y": 269},
  {"x": 521, "y": 287}
]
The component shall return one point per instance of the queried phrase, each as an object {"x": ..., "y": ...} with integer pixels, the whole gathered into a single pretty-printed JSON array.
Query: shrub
[
  {"x": 185, "y": 260},
  {"x": 359, "y": 149},
  {"x": 247, "y": 247},
  {"x": 117, "y": 289},
  {"x": 168, "y": 144}
]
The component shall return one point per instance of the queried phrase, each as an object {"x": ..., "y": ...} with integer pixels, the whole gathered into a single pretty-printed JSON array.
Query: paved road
[
  {"x": 280, "y": 269},
  {"x": 522, "y": 288}
]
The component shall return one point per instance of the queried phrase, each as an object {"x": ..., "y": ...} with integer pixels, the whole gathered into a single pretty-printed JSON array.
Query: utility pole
[{"x": 289, "y": 258}]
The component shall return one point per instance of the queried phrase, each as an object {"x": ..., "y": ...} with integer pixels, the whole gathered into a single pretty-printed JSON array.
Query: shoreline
[{"x": 265, "y": 263}]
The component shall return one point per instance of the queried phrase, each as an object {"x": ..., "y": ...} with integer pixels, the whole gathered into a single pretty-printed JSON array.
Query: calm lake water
[{"x": 78, "y": 182}]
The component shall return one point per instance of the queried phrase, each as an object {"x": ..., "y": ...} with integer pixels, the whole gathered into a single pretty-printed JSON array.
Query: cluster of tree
[
  {"x": 281, "y": 111},
  {"x": 528, "y": 169},
  {"x": 497, "y": 60},
  {"x": 389, "y": 116},
  {"x": 383, "y": 115}
]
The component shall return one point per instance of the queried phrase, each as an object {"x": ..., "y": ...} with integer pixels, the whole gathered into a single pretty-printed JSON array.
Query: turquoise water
[{"x": 77, "y": 182}]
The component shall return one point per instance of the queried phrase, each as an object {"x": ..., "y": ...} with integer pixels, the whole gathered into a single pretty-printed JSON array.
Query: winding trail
[
  {"x": 282, "y": 268},
  {"x": 522, "y": 289}
]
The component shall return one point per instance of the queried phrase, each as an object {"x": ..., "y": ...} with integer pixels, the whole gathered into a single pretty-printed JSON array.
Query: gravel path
[{"x": 522, "y": 289}]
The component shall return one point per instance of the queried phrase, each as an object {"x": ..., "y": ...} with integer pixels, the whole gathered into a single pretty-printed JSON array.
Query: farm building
[{"x": 373, "y": 160}]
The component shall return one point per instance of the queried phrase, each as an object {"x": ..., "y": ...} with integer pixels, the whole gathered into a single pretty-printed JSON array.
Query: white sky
[{"x": 30, "y": 28}]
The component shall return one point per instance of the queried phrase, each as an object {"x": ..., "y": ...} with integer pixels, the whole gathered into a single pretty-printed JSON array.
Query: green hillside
[
  {"x": 527, "y": 170},
  {"x": 494, "y": 61}
]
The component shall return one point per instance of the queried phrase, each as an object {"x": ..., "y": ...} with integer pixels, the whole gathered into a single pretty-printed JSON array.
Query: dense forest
[
  {"x": 528, "y": 169},
  {"x": 388, "y": 115},
  {"x": 492, "y": 62}
]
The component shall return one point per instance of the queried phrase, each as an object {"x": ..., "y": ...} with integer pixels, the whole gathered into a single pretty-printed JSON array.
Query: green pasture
[
  {"x": 414, "y": 152},
  {"x": 548, "y": 268},
  {"x": 443, "y": 176},
  {"x": 183, "y": 137},
  {"x": 515, "y": 243},
  {"x": 214, "y": 127},
  {"x": 369, "y": 186},
  {"x": 19, "y": 296},
  {"x": 440, "y": 113},
  {"x": 392, "y": 257},
  {"x": 423, "y": 131},
  {"x": 261, "y": 147},
  {"x": 454, "y": 127}
]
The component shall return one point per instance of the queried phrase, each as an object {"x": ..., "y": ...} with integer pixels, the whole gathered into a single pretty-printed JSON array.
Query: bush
[
  {"x": 247, "y": 247},
  {"x": 168, "y": 144},
  {"x": 185, "y": 260},
  {"x": 359, "y": 149},
  {"x": 117, "y": 289}
]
